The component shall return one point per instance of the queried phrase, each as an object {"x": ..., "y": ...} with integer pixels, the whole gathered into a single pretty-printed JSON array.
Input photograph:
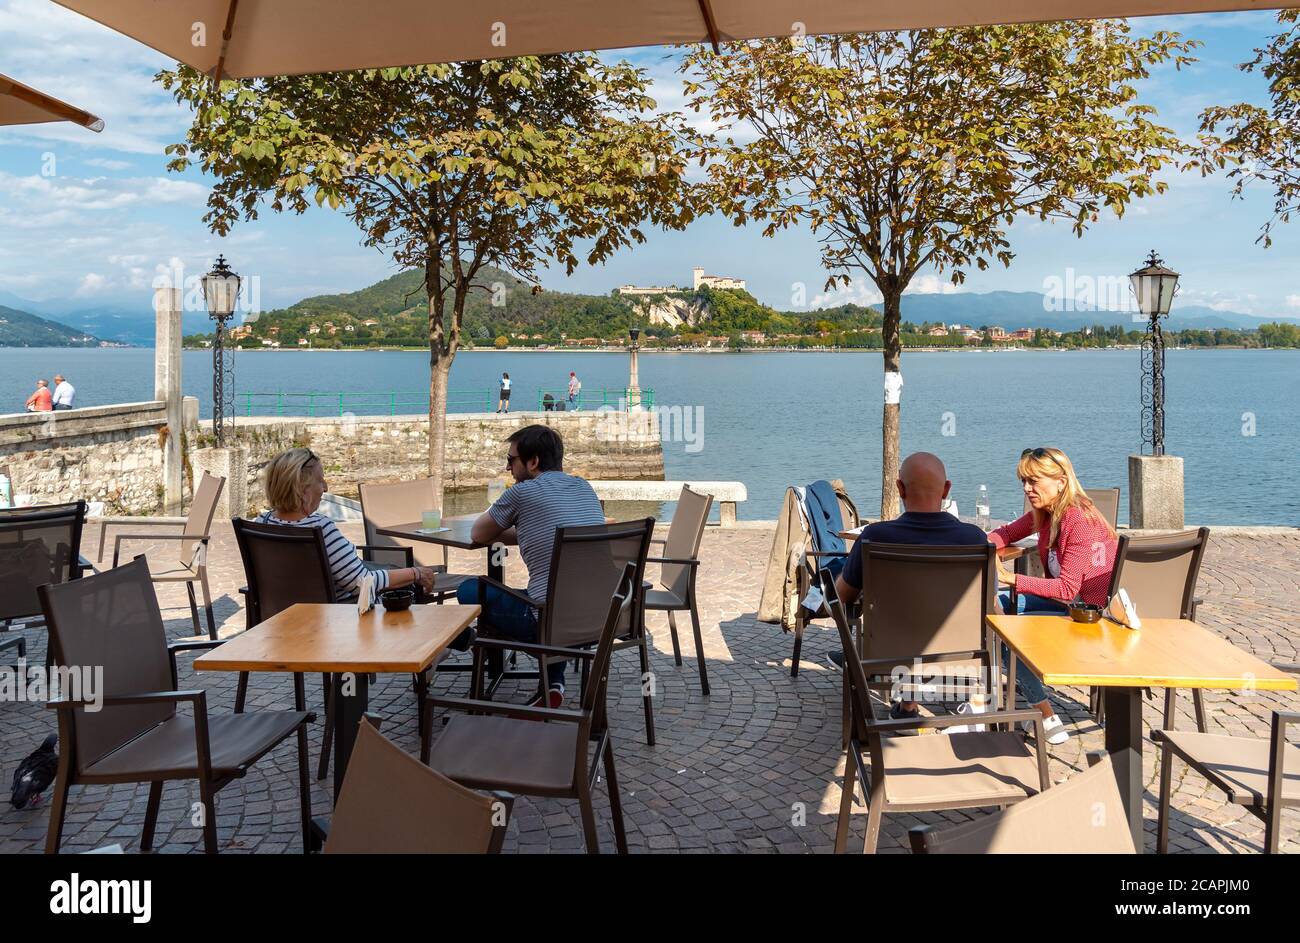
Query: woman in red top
[{"x": 1076, "y": 546}]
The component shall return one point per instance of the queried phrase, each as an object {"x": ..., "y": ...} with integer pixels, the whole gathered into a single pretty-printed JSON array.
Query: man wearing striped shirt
[{"x": 542, "y": 499}]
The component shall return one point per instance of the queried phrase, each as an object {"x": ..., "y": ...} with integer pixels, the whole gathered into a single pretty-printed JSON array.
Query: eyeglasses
[
  {"x": 1039, "y": 454},
  {"x": 511, "y": 459}
]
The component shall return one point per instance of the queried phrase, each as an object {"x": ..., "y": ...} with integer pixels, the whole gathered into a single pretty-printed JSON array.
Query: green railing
[
  {"x": 594, "y": 399},
  {"x": 406, "y": 404}
]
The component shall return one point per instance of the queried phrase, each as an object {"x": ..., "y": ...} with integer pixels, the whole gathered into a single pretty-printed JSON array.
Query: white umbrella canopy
[
  {"x": 290, "y": 37},
  {"x": 22, "y": 104}
]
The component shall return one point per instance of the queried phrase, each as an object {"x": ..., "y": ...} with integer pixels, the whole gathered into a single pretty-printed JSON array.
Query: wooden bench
[{"x": 726, "y": 494}]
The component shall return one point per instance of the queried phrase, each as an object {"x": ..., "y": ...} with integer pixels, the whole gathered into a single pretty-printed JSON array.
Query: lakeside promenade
[{"x": 755, "y": 767}]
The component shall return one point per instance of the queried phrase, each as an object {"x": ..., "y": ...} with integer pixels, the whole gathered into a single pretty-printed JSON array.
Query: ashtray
[
  {"x": 1083, "y": 612},
  {"x": 397, "y": 600}
]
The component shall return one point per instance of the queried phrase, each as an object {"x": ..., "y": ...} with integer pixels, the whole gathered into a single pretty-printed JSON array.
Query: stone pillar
[
  {"x": 230, "y": 463},
  {"x": 167, "y": 389},
  {"x": 633, "y": 382},
  {"x": 1155, "y": 492},
  {"x": 190, "y": 412}
]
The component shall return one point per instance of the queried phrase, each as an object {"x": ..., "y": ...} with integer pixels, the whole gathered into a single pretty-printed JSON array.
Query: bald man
[{"x": 923, "y": 486}]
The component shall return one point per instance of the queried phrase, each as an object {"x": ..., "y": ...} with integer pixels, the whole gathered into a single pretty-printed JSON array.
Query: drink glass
[
  {"x": 431, "y": 520},
  {"x": 495, "y": 490}
]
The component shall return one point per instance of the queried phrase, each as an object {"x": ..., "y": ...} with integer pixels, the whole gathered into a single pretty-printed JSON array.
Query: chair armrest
[
  {"x": 952, "y": 720},
  {"x": 104, "y": 523},
  {"x": 1289, "y": 668},
  {"x": 117, "y": 542},
  {"x": 677, "y": 560},
  {"x": 818, "y": 554},
  {"x": 930, "y": 658},
  {"x": 502, "y": 709},
  {"x": 198, "y": 698},
  {"x": 532, "y": 648},
  {"x": 659, "y": 540},
  {"x": 82, "y": 565},
  {"x": 485, "y": 581},
  {"x": 371, "y": 552},
  {"x": 174, "y": 647}
]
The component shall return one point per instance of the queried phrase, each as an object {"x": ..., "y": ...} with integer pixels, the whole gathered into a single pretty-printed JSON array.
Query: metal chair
[
  {"x": 586, "y": 566},
  {"x": 39, "y": 545},
  {"x": 393, "y": 804},
  {"x": 1160, "y": 573},
  {"x": 400, "y": 502},
  {"x": 929, "y": 773},
  {"x": 112, "y": 620},
  {"x": 1261, "y": 775},
  {"x": 1082, "y": 816},
  {"x": 679, "y": 567},
  {"x": 499, "y": 746},
  {"x": 196, "y": 529},
  {"x": 286, "y": 565}
]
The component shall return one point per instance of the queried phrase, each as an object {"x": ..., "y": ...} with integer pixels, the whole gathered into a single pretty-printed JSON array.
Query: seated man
[
  {"x": 542, "y": 499},
  {"x": 923, "y": 486}
]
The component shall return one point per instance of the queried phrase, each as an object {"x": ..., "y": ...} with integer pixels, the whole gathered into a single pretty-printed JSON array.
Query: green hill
[
  {"x": 20, "y": 329},
  {"x": 393, "y": 312}
]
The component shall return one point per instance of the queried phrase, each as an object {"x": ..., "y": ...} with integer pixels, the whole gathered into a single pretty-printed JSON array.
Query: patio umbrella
[
  {"x": 22, "y": 104},
  {"x": 242, "y": 38}
]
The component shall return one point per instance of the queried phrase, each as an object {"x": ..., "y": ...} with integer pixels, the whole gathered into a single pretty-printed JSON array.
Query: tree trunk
[
  {"x": 439, "y": 371},
  {"x": 893, "y": 352}
]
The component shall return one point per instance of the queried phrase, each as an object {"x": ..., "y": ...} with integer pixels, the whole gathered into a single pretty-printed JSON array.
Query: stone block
[
  {"x": 230, "y": 463},
  {"x": 1155, "y": 489}
]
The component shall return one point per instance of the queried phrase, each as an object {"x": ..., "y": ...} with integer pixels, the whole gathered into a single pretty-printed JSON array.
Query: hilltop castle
[{"x": 699, "y": 278}]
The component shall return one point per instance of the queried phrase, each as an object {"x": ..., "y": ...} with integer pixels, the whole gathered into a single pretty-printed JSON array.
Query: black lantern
[
  {"x": 221, "y": 292},
  {"x": 1154, "y": 286},
  {"x": 634, "y": 333}
]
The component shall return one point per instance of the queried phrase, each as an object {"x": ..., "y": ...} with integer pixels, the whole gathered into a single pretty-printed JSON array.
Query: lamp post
[
  {"x": 633, "y": 382},
  {"x": 1154, "y": 286},
  {"x": 221, "y": 291}
]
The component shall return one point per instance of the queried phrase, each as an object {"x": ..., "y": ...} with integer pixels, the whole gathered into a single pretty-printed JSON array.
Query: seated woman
[
  {"x": 294, "y": 482},
  {"x": 1076, "y": 546}
]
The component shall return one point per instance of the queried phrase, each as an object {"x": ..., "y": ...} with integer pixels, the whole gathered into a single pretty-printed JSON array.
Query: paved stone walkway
[{"x": 753, "y": 767}]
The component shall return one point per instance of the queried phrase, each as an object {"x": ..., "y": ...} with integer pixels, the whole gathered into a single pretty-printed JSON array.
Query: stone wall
[
  {"x": 112, "y": 454},
  {"x": 369, "y": 448}
]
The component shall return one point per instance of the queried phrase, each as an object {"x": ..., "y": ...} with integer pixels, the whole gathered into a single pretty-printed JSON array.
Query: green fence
[{"x": 408, "y": 404}]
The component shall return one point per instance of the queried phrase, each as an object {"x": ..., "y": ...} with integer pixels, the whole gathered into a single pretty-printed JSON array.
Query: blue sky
[{"x": 96, "y": 229}]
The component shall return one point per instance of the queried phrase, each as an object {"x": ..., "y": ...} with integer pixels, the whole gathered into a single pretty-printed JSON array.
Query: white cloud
[
  {"x": 860, "y": 291},
  {"x": 1293, "y": 301},
  {"x": 107, "y": 164},
  {"x": 92, "y": 284},
  {"x": 931, "y": 285}
]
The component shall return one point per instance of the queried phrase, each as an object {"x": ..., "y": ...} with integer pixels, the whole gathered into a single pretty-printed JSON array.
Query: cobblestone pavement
[{"x": 730, "y": 772}]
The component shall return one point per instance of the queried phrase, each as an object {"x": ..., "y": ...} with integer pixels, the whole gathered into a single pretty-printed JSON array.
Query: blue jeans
[
  {"x": 1029, "y": 604},
  {"x": 510, "y": 618}
]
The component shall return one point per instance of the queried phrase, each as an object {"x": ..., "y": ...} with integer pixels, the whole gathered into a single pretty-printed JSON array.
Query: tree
[
  {"x": 907, "y": 150},
  {"x": 448, "y": 168},
  {"x": 1262, "y": 143},
  {"x": 501, "y": 343}
]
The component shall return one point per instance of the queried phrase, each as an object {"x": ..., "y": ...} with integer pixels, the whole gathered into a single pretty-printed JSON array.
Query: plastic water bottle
[{"x": 982, "y": 508}]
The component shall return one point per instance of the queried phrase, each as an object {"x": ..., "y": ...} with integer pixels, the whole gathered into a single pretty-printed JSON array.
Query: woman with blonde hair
[
  {"x": 1076, "y": 546},
  {"x": 294, "y": 482}
]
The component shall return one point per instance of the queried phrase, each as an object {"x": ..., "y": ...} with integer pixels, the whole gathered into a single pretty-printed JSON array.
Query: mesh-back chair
[
  {"x": 1082, "y": 816},
  {"x": 400, "y": 502},
  {"x": 499, "y": 746},
  {"x": 112, "y": 621},
  {"x": 1159, "y": 573},
  {"x": 286, "y": 565},
  {"x": 1105, "y": 499},
  {"x": 1261, "y": 775},
  {"x": 586, "y": 566},
  {"x": 196, "y": 529},
  {"x": 391, "y": 803},
  {"x": 679, "y": 567},
  {"x": 928, "y": 605},
  {"x": 38, "y": 545},
  {"x": 967, "y": 770}
]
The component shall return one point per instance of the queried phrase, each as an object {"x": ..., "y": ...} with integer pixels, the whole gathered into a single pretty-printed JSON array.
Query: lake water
[{"x": 774, "y": 419}]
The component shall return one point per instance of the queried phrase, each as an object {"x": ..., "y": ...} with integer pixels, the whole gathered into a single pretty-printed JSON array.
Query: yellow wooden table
[
  {"x": 1164, "y": 653},
  {"x": 333, "y": 639}
]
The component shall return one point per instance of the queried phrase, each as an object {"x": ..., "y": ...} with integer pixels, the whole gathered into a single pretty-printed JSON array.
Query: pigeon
[{"x": 34, "y": 774}]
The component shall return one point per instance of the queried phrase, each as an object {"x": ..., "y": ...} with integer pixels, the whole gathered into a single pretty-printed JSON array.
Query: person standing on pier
[
  {"x": 575, "y": 387},
  {"x": 503, "y": 400}
]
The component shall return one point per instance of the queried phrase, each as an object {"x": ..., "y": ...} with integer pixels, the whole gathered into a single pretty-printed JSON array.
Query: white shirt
[
  {"x": 505, "y": 384},
  {"x": 63, "y": 394}
]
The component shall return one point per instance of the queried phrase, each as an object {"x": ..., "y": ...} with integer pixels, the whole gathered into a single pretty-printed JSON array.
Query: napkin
[
  {"x": 366, "y": 594},
  {"x": 1123, "y": 611}
]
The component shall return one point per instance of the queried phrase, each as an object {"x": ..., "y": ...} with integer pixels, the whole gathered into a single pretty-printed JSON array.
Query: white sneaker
[
  {"x": 1053, "y": 729},
  {"x": 967, "y": 708}
]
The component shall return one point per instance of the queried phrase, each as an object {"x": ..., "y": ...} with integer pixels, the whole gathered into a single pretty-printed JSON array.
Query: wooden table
[
  {"x": 332, "y": 639},
  {"x": 456, "y": 534},
  {"x": 1164, "y": 653}
]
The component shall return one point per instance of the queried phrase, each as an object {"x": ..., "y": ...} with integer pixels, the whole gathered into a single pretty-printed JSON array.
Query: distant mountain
[
  {"x": 22, "y": 329},
  {"x": 1017, "y": 309}
]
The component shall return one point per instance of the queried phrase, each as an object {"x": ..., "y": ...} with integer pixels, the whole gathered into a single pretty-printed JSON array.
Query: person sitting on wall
[{"x": 40, "y": 401}]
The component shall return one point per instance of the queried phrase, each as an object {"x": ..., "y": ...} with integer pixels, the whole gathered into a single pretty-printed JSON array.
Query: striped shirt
[
  {"x": 535, "y": 508},
  {"x": 346, "y": 567},
  {"x": 1084, "y": 551}
]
